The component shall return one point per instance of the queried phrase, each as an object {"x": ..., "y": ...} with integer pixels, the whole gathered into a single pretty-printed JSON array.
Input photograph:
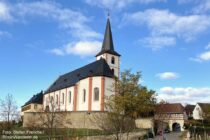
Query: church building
[{"x": 88, "y": 87}]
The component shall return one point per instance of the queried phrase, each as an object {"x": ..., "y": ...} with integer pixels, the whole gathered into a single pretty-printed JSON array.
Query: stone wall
[
  {"x": 67, "y": 119},
  {"x": 146, "y": 123},
  {"x": 78, "y": 120}
]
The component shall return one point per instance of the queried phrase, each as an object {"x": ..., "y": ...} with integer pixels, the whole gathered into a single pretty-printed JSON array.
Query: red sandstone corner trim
[
  {"x": 102, "y": 92},
  {"x": 75, "y": 98},
  {"x": 90, "y": 94}
]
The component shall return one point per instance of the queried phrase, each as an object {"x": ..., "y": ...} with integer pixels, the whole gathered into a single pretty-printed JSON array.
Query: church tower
[{"x": 108, "y": 53}]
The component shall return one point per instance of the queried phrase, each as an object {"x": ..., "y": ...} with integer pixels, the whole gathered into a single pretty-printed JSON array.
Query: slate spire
[
  {"x": 108, "y": 41},
  {"x": 108, "y": 45}
]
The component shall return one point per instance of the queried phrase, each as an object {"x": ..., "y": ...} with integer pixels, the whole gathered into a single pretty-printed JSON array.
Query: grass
[{"x": 62, "y": 133}]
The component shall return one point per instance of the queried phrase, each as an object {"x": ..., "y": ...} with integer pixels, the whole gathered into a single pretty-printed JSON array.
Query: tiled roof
[
  {"x": 169, "y": 108},
  {"x": 189, "y": 109},
  {"x": 37, "y": 99},
  {"x": 97, "y": 68},
  {"x": 205, "y": 106}
]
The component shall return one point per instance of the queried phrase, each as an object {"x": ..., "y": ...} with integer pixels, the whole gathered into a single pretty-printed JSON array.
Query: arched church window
[
  {"x": 112, "y": 60},
  {"x": 84, "y": 95},
  {"x": 63, "y": 98},
  {"x": 96, "y": 94},
  {"x": 47, "y": 101},
  {"x": 51, "y": 100},
  {"x": 69, "y": 96},
  {"x": 57, "y": 99}
]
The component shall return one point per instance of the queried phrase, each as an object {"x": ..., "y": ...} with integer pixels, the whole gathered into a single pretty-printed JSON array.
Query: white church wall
[
  {"x": 96, "y": 82},
  {"x": 62, "y": 99},
  {"x": 64, "y": 104},
  {"x": 81, "y": 104},
  {"x": 56, "y": 99},
  {"x": 109, "y": 85},
  {"x": 70, "y": 100}
]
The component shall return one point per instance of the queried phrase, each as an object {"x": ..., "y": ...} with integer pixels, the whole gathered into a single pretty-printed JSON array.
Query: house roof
[
  {"x": 108, "y": 45},
  {"x": 169, "y": 108},
  {"x": 97, "y": 68},
  {"x": 189, "y": 109},
  {"x": 36, "y": 99},
  {"x": 205, "y": 106}
]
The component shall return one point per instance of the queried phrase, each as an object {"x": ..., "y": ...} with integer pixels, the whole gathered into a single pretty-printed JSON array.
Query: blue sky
[{"x": 169, "y": 41}]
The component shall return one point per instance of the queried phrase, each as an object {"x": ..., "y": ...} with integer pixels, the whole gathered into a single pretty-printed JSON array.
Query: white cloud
[
  {"x": 208, "y": 46},
  {"x": 166, "y": 23},
  {"x": 167, "y": 75},
  {"x": 5, "y": 12},
  {"x": 203, "y": 7},
  {"x": 186, "y": 1},
  {"x": 185, "y": 95},
  {"x": 158, "y": 42},
  {"x": 4, "y": 34},
  {"x": 74, "y": 21},
  {"x": 205, "y": 56},
  {"x": 58, "y": 51},
  {"x": 119, "y": 4},
  {"x": 81, "y": 48}
]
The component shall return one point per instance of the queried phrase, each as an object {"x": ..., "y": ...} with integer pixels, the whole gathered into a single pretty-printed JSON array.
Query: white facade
[
  {"x": 64, "y": 99},
  {"x": 197, "y": 113}
]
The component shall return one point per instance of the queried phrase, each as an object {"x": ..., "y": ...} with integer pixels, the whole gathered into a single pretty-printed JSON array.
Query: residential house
[
  {"x": 189, "y": 110},
  {"x": 201, "y": 111},
  {"x": 172, "y": 114}
]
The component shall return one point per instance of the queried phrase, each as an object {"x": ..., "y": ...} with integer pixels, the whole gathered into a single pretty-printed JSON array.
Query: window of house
[
  {"x": 112, "y": 60},
  {"x": 96, "y": 94},
  {"x": 84, "y": 95},
  {"x": 69, "y": 96}
]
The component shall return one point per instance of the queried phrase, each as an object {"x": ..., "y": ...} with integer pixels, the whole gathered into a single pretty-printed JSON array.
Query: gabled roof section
[
  {"x": 205, "y": 107},
  {"x": 97, "y": 68},
  {"x": 36, "y": 99},
  {"x": 108, "y": 45},
  {"x": 169, "y": 108},
  {"x": 189, "y": 109}
]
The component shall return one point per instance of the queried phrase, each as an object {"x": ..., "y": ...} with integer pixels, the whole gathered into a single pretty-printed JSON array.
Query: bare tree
[
  {"x": 8, "y": 111},
  {"x": 50, "y": 119}
]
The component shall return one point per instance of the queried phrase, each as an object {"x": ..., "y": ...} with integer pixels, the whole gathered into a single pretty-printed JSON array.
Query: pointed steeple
[{"x": 108, "y": 45}]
